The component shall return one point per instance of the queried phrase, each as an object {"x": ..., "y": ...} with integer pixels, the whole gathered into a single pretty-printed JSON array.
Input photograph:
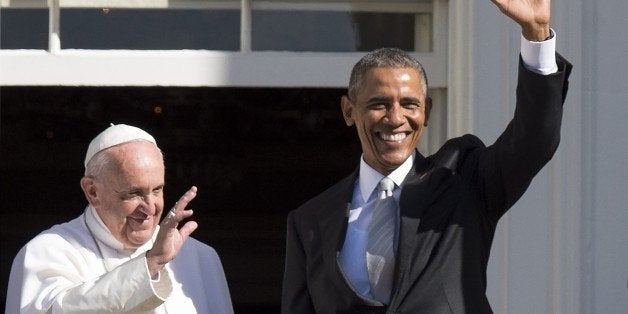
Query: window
[
  {"x": 228, "y": 43},
  {"x": 331, "y": 31},
  {"x": 150, "y": 29},
  {"x": 23, "y": 28},
  {"x": 340, "y": 26},
  {"x": 319, "y": 26}
]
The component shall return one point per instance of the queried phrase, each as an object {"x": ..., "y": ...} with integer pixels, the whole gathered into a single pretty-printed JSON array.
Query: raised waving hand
[
  {"x": 170, "y": 239},
  {"x": 532, "y": 15}
]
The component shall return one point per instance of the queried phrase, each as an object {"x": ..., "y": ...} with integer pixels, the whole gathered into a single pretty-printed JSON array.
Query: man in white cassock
[{"x": 117, "y": 257}]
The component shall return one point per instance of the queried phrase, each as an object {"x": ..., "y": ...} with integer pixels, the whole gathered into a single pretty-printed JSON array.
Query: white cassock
[{"x": 79, "y": 267}]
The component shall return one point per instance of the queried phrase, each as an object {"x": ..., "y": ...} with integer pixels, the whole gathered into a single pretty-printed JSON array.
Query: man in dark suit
[{"x": 445, "y": 207}]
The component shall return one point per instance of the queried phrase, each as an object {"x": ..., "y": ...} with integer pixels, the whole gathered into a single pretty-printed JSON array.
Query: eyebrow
[
  {"x": 412, "y": 99},
  {"x": 134, "y": 189},
  {"x": 127, "y": 191},
  {"x": 379, "y": 99}
]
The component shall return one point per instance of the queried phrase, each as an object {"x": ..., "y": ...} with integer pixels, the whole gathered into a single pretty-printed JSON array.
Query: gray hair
[
  {"x": 99, "y": 162},
  {"x": 383, "y": 58}
]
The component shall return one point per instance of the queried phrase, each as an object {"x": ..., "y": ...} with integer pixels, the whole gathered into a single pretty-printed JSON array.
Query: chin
[
  {"x": 140, "y": 239},
  {"x": 135, "y": 244},
  {"x": 395, "y": 161}
]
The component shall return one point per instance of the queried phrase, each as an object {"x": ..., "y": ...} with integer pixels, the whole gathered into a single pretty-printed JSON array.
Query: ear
[
  {"x": 347, "y": 109},
  {"x": 428, "y": 109},
  {"x": 89, "y": 189}
]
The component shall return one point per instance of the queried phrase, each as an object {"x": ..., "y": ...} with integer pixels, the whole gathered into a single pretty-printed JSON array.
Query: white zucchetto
[{"x": 115, "y": 135}]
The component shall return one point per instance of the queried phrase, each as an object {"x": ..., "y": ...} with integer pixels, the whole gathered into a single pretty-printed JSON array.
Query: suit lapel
[
  {"x": 333, "y": 224},
  {"x": 333, "y": 219},
  {"x": 412, "y": 205}
]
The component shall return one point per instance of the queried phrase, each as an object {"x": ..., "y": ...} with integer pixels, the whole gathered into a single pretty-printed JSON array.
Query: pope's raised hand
[
  {"x": 532, "y": 15},
  {"x": 170, "y": 239}
]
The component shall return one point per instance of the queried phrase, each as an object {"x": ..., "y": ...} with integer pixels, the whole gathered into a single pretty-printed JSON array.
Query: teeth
[{"x": 393, "y": 137}]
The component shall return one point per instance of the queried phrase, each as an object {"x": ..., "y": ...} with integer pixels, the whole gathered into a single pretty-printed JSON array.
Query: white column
[
  {"x": 245, "y": 26},
  {"x": 460, "y": 65},
  {"x": 54, "y": 39}
]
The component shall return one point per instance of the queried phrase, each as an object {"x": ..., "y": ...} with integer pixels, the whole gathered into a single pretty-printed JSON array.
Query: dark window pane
[
  {"x": 376, "y": 30},
  {"x": 332, "y": 31},
  {"x": 23, "y": 28},
  {"x": 254, "y": 153},
  {"x": 158, "y": 29}
]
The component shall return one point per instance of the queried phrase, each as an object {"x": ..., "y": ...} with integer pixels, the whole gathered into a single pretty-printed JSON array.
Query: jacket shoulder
[
  {"x": 455, "y": 152},
  {"x": 340, "y": 192}
]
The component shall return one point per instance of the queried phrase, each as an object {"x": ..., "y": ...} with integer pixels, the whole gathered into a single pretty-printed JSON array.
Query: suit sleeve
[
  {"x": 295, "y": 296},
  {"x": 506, "y": 168}
]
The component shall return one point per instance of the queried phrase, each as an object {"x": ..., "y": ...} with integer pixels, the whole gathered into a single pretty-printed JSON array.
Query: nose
[
  {"x": 149, "y": 204},
  {"x": 395, "y": 115}
]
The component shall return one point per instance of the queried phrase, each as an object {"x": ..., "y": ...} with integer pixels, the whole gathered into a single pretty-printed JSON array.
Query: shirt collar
[
  {"x": 102, "y": 233},
  {"x": 369, "y": 178}
]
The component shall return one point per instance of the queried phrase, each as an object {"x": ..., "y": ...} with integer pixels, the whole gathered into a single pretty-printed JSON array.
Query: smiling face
[
  {"x": 389, "y": 110},
  {"x": 128, "y": 194}
]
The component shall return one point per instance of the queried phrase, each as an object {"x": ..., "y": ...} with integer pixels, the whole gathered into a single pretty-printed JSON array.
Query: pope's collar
[
  {"x": 369, "y": 178},
  {"x": 102, "y": 233}
]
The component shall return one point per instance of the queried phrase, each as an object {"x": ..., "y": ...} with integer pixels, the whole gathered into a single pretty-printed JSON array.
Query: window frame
[
  {"x": 218, "y": 68},
  {"x": 244, "y": 68}
]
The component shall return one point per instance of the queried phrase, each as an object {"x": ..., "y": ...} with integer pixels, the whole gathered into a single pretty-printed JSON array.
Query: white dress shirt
[{"x": 352, "y": 257}]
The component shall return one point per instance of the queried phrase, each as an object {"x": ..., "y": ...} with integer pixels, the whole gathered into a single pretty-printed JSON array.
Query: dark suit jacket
[{"x": 450, "y": 204}]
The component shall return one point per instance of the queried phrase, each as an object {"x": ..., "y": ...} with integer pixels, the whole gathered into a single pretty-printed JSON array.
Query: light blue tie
[{"x": 380, "y": 257}]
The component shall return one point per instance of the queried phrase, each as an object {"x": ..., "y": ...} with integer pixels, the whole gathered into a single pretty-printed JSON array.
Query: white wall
[
  {"x": 563, "y": 248},
  {"x": 605, "y": 95}
]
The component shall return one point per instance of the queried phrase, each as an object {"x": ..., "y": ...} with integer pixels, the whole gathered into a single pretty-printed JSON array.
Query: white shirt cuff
[
  {"x": 162, "y": 284},
  {"x": 540, "y": 57}
]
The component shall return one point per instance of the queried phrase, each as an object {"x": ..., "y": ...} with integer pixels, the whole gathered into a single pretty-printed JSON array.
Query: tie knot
[{"x": 387, "y": 185}]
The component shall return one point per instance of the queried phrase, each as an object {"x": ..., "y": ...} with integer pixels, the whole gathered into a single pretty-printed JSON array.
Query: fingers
[
  {"x": 174, "y": 217},
  {"x": 187, "y": 229},
  {"x": 170, "y": 240},
  {"x": 171, "y": 214},
  {"x": 185, "y": 199},
  {"x": 178, "y": 212}
]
